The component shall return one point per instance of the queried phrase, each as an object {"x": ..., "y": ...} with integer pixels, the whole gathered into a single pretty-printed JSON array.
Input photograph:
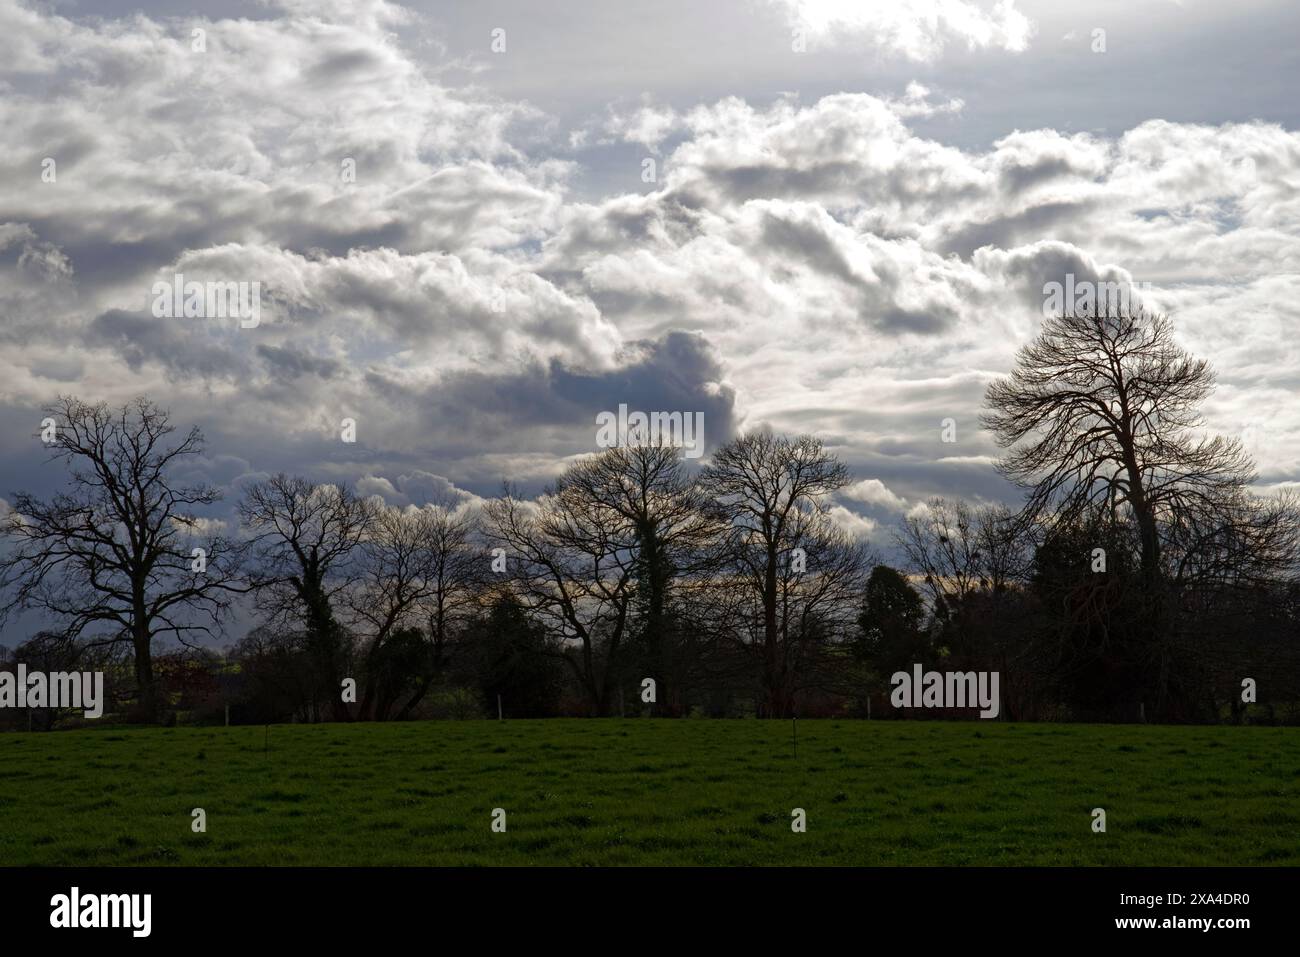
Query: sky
[{"x": 476, "y": 226}]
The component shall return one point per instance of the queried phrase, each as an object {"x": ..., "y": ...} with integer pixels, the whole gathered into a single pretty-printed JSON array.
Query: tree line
[{"x": 1143, "y": 575}]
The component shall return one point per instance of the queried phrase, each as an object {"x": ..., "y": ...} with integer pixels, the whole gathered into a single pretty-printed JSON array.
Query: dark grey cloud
[
  {"x": 553, "y": 406},
  {"x": 292, "y": 363},
  {"x": 1008, "y": 231},
  {"x": 179, "y": 346}
]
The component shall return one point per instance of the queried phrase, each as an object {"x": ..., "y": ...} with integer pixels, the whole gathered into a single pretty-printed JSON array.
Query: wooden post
[
  {"x": 868, "y": 707},
  {"x": 500, "y": 716},
  {"x": 621, "y": 712},
  {"x": 227, "y": 714}
]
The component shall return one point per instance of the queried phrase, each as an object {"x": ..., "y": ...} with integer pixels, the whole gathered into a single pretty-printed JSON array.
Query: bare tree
[
  {"x": 122, "y": 555},
  {"x": 455, "y": 584},
  {"x": 642, "y": 489},
  {"x": 393, "y": 582},
  {"x": 418, "y": 568},
  {"x": 772, "y": 491},
  {"x": 306, "y": 539},
  {"x": 1101, "y": 417},
  {"x": 973, "y": 563},
  {"x": 1243, "y": 542},
  {"x": 958, "y": 550},
  {"x": 1102, "y": 413},
  {"x": 941, "y": 542},
  {"x": 573, "y": 564}
]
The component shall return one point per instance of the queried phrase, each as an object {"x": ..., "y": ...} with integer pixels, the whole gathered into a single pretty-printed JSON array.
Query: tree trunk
[
  {"x": 148, "y": 688},
  {"x": 657, "y": 575},
  {"x": 772, "y": 678},
  {"x": 1152, "y": 620},
  {"x": 324, "y": 639},
  {"x": 140, "y": 643}
]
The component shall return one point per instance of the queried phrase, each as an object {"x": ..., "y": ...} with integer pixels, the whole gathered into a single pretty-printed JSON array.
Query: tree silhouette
[
  {"x": 306, "y": 539},
  {"x": 114, "y": 556},
  {"x": 1101, "y": 418},
  {"x": 643, "y": 489},
  {"x": 772, "y": 491},
  {"x": 1103, "y": 411}
]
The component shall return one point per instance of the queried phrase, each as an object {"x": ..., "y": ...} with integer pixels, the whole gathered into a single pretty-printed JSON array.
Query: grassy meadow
[{"x": 656, "y": 792}]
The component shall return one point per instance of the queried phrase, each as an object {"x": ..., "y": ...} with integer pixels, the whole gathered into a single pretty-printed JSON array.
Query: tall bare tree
[
  {"x": 1102, "y": 411},
  {"x": 642, "y": 489},
  {"x": 418, "y": 575},
  {"x": 122, "y": 554},
  {"x": 1101, "y": 418},
  {"x": 773, "y": 493},
  {"x": 385, "y": 603},
  {"x": 573, "y": 564},
  {"x": 456, "y": 578},
  {"x": 306, "y": 540}
]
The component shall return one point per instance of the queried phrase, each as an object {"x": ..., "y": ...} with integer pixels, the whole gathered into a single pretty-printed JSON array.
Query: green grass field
[{"x": 653, "y": 792}]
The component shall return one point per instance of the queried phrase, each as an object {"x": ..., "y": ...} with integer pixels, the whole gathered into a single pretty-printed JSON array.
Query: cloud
[
  {"x": 915, "y": 29},
  {"x": 857, "y": 526},
  {"x": 417, "y": 490},
  {"x": 645, "y": 122},
  {"x": 858, "y": 262},
  {"x": 874, "y": 492}
]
